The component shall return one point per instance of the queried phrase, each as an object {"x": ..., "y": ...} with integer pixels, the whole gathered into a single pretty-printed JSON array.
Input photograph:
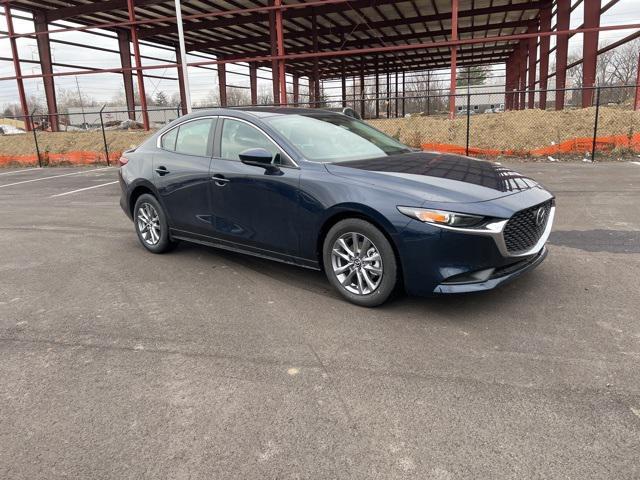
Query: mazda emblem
[{"x": 541, "y": 215}]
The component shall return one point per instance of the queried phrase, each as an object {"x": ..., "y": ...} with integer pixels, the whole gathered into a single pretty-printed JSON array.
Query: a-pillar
[
  {"x": 222, "y": 83},
  {"x": 253, "y": 82},
  {"x": 44, "y": 52},
  {"x": 454, "y": 60},
  {"x": 181, "y": 86},
  {"x": 545, "y": 41},
  {"x": 124, "y": 42},
  {"x": 590, "y": 50},
  {"x": 562, "y": 50},
  {"x": 533, "y": 61}
]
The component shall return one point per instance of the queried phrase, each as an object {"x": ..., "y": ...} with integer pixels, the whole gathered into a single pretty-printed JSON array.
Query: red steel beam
[
  {"x": 545, "y": 43},
  {"x": 136, "y": 53},
  {"x": 590, "y": 50},
  {"x": 347, "y": 53},
  {"x": 16, "y": 65},
  {"x": 562, "y": 50},
  {"x": 454, "y": 67},
  {"x": 533, "y": 61},
  {"x": 44, "y": 54},
  {"x": 124, "y": 41}
]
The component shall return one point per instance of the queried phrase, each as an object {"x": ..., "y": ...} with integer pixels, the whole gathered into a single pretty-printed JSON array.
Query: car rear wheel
[
  {"x": 151, "y": 225},
  {"x": 359, "y": 262}
]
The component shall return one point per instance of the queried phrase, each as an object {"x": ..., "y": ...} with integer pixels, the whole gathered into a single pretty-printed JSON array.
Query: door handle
[
  {"x": 162, "y": 170},
  {"x": 220, "y": 180}
]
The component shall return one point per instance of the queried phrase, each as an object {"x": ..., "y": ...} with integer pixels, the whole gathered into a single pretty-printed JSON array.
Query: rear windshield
[{"x": 335, "y": 138}]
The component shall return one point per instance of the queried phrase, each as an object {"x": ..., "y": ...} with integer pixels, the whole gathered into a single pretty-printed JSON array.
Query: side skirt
[{"x": 234, "y": 247}]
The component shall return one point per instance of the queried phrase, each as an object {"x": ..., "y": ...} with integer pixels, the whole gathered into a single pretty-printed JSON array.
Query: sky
[{"x": 107, "y": 86}]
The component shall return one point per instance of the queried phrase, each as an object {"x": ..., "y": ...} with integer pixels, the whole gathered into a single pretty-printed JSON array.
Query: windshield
[{"x": 335, "y": 138}]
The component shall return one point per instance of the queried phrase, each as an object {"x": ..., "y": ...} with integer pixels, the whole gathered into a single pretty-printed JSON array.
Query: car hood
[{"x": 436, "y": 177}]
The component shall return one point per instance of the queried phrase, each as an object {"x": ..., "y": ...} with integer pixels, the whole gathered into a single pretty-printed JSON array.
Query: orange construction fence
[
  {"x": 575, "y": 145},
  {"x": 68, "y": 158}
]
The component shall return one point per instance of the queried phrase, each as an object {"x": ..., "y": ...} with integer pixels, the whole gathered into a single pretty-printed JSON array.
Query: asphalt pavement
[{"x": 204, "y": 364}]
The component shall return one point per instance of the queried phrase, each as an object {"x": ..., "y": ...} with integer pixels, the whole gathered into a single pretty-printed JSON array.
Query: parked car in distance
[{"x": 326, "y": 191}]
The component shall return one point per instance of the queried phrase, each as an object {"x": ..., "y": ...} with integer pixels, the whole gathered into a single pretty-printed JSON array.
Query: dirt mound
[
  {"x": 62, "y": 142},
  {"x": 515, "y": 130}
]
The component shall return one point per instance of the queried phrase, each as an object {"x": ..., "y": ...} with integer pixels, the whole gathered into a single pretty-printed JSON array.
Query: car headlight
[{"x": 442, "y": 217}]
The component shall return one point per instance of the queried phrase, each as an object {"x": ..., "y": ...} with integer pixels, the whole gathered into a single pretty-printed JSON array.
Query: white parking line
[
  {"x": 53, "y": 176},
  {"x": 83, "y": 189},
  {"x": 636, "y": 163},
  {"x": 18, "y": 171}
]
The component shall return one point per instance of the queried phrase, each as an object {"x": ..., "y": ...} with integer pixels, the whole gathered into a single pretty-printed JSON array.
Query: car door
[
  {"x": 250, "y": 205},
  {"x": 181, "y": 173}
]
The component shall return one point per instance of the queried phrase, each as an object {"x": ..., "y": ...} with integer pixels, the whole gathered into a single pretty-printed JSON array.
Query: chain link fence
[{"x": 482, "y": 126}]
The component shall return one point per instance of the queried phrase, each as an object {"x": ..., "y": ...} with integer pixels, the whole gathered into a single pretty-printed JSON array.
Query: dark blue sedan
[{"x": 326, "y": 191}]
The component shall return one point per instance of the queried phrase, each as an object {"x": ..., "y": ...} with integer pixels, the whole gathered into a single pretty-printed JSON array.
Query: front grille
[{"x": 522, "y": 231}]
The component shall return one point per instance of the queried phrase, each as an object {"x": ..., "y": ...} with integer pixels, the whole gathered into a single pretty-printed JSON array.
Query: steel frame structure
[{"x": 327, "y": 40}]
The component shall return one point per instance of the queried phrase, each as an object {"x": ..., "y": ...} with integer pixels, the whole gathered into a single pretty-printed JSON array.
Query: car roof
[{"x": 263, "y": 112}]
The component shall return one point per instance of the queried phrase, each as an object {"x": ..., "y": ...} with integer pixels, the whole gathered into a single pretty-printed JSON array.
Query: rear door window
[{"x": 190, "y": 138}]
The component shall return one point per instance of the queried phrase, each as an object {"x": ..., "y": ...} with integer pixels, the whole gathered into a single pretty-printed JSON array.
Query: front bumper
[
  {"x": 447, "y": 260},
  {"x": 499, "y": 277}
]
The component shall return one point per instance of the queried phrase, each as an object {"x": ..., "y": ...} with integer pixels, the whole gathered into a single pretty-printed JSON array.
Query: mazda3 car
[{"x": 326, "y": 191}]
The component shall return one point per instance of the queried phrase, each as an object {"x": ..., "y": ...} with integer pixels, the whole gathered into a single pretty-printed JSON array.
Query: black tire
[
  {"x": 163, "y": 243},
  {"x": 389, "y": 276}
]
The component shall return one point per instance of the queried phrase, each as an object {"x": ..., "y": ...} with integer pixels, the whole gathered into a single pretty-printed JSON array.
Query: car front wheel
[
  {"x": 151, "y": 224},
  {"x": 359, "y": 262}
]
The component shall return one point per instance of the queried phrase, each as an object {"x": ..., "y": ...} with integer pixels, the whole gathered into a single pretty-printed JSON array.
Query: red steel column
[
  {"x": 296, "y": 89},
  {"x": 377, "y": 89},
  {"x": 253, "y": 82},
  {"x": 222, "y": 83},
  {"x": 637, "y": 103},
  {"x": 183, "y": 95},
  {"x": 16, "y": 65},
  {"x": 508, "y": 83},
  {"x": 316, "y": 71},
  {"x": 590, "y": 50},
  {"x": 44, "y": 53},
  {"x": 362, "y": 93},
  {"x": 403, "y": 95},
  {"x": 280, "y": 49},
  {"x": 343, "y": 80},
  {"x": 533, "y": 61},
  {"x": 562, "y": 51},
  {"x": 545, "y": 41},
  {"x": 524, "y": 48},
  {"x": 396, "y": 94},
  {"x": 275, "y": 64},
  {"x": 136, "y": 55},
  {"x": 454, "y": 60},
  {"x": 124, "y": 40}
]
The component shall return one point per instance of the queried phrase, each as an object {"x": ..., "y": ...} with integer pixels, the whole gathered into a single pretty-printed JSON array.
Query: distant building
[
  {"x": 483, "y": 98},
  {"x": 118, "y": 113}
]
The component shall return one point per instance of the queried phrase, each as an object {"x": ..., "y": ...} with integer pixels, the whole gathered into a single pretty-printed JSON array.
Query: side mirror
[{"x": 259, "y": 157}]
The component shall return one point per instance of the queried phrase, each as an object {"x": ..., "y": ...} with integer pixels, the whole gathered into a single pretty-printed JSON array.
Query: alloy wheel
[
  {"x": 148, "y": 224},
  {"x": 357, "y": 263}
]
